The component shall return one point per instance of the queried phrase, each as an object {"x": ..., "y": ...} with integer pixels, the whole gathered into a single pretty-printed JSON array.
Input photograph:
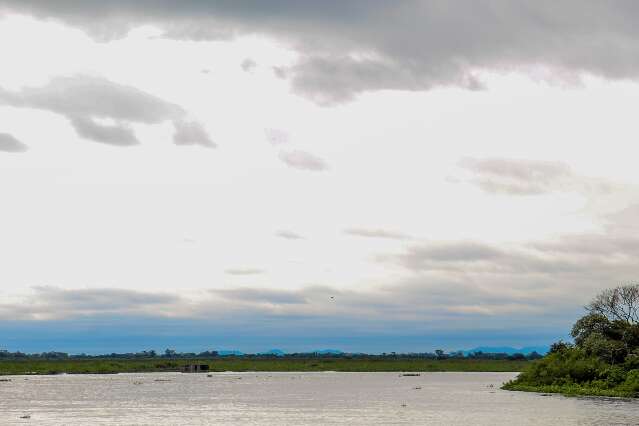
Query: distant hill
[
  {"x": 327, "y": 352},
  {"x": 274, "y": 352},
  {"x": 227, "y": 353},
  {"x": 542, "y": 350}
]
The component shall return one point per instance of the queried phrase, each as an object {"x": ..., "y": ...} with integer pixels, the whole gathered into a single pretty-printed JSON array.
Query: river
[{"x": 295, "y": 399}]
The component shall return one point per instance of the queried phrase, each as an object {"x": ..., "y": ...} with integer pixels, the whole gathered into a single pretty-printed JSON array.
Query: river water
[{"x": 295, "y": 399}]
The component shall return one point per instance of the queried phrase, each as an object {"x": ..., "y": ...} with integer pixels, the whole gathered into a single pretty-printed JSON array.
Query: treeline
[
  {"x": 172, "y": 354},
  {"x": 604, "y": 358}
]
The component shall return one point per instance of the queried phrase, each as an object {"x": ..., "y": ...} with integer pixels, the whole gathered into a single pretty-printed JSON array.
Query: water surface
[{"x": 296, "y": 399}]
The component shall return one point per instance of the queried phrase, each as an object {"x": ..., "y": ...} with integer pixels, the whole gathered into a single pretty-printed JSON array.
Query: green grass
[
  {"x": 109, "y": 366},
  {"x": 571, "y": 390}
]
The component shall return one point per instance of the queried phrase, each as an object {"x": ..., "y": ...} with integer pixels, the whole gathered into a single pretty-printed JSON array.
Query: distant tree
[
  {"x": 619, "y": 303},
  {"x": 534, "y": 355},
  {"x": 440, "y": 354}
]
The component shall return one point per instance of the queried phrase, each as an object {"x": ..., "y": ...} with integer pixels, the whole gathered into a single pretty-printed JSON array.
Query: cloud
[
  {"x": 376, "y": 233},
  {"x": 527, "y": 177},
  {"x": 244, "y": 271},
  {"x": 289, "y": 235},
  {"x": 347, "y": 47},
  {"x": 303, "y": 160},
  {"x": 46, "y": 303},
  {"x": 276, "y": 136},
  {"x": 434, "y": 285},
  {"x": 255, "y": 295},
  {"x": 121, "y": 135},
  {"x": 248, "y": 65},
  {"x": 8, "y": 143},
  {"x": 191, "y": 133},
  {"x": 86, "y": 101}
]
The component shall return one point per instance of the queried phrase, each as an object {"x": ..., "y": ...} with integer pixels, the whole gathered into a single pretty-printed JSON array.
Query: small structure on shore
[{"x": 195, "y": 368}]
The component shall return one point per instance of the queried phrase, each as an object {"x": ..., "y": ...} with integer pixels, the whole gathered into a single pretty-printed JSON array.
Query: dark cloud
[
  {"x": 244, "y": 271},
  {"x": 8, "y": 143},
  {"x": 289, "y": 235},
  {"x": 351, "y": 46},
  {"x": 85, "y": 100},
  {"x": 303, "y": 161},
  {"x": 376, "y": 233}
]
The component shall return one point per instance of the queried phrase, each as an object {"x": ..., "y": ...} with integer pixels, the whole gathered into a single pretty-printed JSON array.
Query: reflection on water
[{"x": 295, "y": 399}]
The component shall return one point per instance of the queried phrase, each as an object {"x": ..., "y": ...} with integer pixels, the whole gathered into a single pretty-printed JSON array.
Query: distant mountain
[
  {"x": 328, "y": 352},
  {"x": 274, "y": 352},
  {"x": 541, "y": 350},
  {"x": 227, "y": 353}
]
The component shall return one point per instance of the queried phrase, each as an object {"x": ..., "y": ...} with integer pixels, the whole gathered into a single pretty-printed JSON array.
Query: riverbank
[
  {"x": 572, "y": 390},
  {"x": 240, "y": 364}
]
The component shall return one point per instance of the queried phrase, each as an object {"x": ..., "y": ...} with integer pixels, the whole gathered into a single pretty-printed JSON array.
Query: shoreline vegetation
[
  {"x": 254, "y": 364},
  {"x": 604, "y": 358}
]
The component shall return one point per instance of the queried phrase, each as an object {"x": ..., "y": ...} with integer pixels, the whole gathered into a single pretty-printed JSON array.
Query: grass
[
  {"x": 571, "y": 390},
  {"x": 111, "y": 366}
]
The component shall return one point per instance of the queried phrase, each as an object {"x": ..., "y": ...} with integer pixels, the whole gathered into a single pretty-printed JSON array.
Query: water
[{"x": 296, "y": 399}]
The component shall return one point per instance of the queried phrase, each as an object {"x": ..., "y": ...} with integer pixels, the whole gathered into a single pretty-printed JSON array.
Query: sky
[{"x": 359, "y": 175}]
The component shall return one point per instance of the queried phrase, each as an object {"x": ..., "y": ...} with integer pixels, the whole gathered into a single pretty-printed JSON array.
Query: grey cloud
[
  {"x": 84, "y": 99},
  {"x": 191, "y": 133},
  {"x": 351, "y": 46},
  {"x": 446, "y": 255},
  {"x": 8, "y": 143},
  {"x": 525, "y": 177},
  {"x": 303, "y": 160},
  {"x": 97, "y": 97},
  {"x": 289, "y": 235},
  {"x": 244, "y": 271},
  {"x": 54, "y": 302},
  {"x": 255, "y": 295},
  {"x": 121, "y": 135},
  {"x": 376, "y": 233},
  {"x": 248, "y": 65}
]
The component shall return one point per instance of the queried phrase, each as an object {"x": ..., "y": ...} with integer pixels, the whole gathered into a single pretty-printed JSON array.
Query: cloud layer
[{"x": 347, "y": 47}]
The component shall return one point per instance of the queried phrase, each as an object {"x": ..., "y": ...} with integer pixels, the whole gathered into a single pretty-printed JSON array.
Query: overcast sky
[{"x": 363, "y": 175}]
